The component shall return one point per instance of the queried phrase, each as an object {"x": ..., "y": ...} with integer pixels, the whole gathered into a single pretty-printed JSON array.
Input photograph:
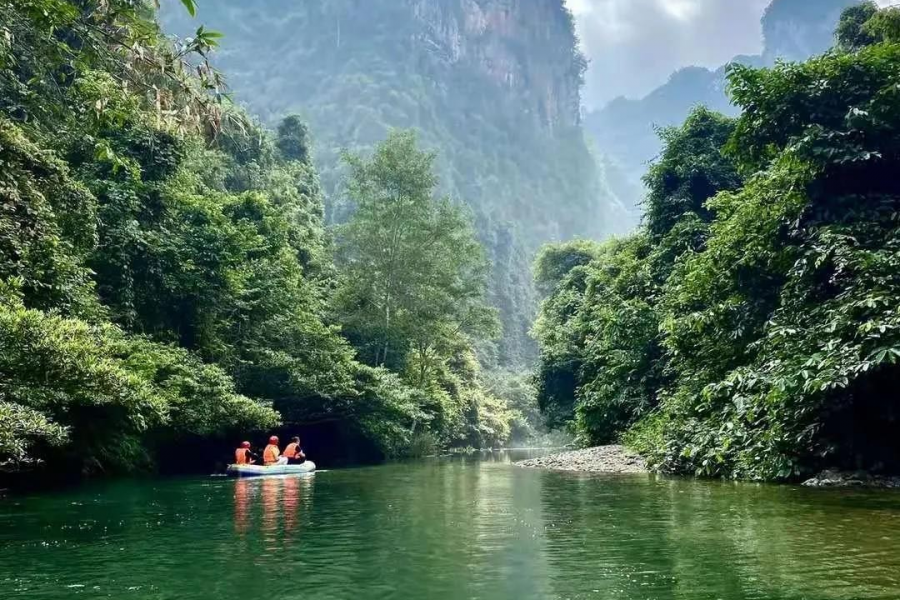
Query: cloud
[{"x": 635, "y": 45}]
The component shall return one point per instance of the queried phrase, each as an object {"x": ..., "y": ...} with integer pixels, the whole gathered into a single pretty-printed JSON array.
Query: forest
[
  {"x": 167, "y": 279},
  {"x": 174, "y": 273},
  {"x": 493, "y": 87},
  {"x": 367, "y": 299},
  {"x": 750, "y": 327}
]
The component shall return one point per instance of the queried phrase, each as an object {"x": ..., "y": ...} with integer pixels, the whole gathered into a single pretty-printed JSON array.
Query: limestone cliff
[
  {"x": 798, "y": 29},
  {"x": 492, "y": 85},
  {"x": 499, "y": 38}
]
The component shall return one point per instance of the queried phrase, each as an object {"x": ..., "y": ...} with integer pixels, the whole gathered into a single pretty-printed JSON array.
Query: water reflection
[
  {"x": 241, "y": 505},
  {"x": 291, "y": 506},
  {"x": 278, "y": 501},
  {"x": 452, "y": 529},
  {"x": 633, "y": 537},
  {"x": 271, "y": 509}
]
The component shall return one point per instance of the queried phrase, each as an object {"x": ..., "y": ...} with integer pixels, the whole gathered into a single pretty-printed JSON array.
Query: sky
[{"x": 635, "y": 45}]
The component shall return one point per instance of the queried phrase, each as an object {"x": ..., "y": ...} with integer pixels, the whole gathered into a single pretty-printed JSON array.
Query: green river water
[{"x": 462, "y": 528}]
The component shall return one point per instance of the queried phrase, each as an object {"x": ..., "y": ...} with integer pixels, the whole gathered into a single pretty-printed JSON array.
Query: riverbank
[
  {"x": 601, "y": 459},
  {"x": 618, "y": 459},
  {"x": 832, "y": 478}
]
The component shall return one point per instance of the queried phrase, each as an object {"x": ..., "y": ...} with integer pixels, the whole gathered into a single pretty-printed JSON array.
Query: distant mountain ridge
[{"x": 624, "y": 131}]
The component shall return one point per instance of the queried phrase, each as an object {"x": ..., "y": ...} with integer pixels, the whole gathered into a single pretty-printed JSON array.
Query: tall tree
[
  {"x": 414, "y": 274},
  {"x": 691, "y": 169}
]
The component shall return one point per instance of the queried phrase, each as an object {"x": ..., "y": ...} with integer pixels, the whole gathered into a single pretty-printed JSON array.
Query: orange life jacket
[
  {"x": 292, "y": 450},
  {"x": 270, "y": 455},
  {"x": 241, "y": 456}
]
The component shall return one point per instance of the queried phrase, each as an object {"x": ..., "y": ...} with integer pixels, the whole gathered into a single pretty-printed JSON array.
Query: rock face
[
  {"x": 494, "y": 86},
  {"x": 834, "y": 478},
  {"x": 797, "y": 29},
  {"x": 602, "y": 459},
  {"x": 493, "y": 37}
]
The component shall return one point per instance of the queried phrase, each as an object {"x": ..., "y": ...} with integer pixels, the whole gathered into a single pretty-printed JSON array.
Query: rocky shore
[
  {"x": 617, "y": 459},
  {"x": 602, "y": 459},
  {"x": 852, "y": 479}
]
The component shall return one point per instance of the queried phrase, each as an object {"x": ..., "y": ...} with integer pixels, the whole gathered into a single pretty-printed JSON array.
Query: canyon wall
[{"x": 493, "y": 86}]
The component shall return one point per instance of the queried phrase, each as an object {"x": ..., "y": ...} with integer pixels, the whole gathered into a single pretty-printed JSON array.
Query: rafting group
[{"x": 274, "y": 461}]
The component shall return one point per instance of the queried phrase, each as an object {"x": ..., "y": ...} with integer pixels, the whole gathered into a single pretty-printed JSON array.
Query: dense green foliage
[
  {"x": 492, "y": 87},
  {"x": 750, "y": 329},
  {"x": 864, "y": 24},
  {"x": 166, "y": 275},
  {"x": 411, "y": 290},
  {"x": 599, "y": 326},
  {"x": 74, "y": 145},
  {"x": 412, "y": 274}
]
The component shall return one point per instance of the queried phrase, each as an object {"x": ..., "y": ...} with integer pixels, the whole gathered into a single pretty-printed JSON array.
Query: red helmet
[
  {"x": 273, "y": 439},
  {"x": 245, "y": 444}
]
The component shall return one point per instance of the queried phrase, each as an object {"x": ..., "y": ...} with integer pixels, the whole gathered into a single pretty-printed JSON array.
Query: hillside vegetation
[
  {"x": 750, "y": 327},
  {"x": 166, "y": 276},
  {"x": 492, "y": 86}
]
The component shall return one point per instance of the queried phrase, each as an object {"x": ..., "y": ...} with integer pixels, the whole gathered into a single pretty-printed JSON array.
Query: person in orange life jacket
[
  {"x": 294, "y": 452},
  {"x": 244, "y": 456},
  {"x": 272, "y": 455}
]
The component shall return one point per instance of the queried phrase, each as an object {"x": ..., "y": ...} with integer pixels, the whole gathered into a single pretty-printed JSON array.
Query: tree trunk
[{"x": 387, "y": 327}]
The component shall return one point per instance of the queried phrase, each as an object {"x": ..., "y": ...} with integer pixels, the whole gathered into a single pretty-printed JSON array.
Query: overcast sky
[{"x": 634, "y": 45}]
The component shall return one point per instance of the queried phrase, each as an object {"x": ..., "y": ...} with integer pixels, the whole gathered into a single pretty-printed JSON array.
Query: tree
[
  {"x": 884, "y": 26},
  {"x": 780, "y": 334},
  {"x": 691, "y": 169},
  {"x": 160, "y": 256},
  {"x": 561, "y": 271},
  {"x": 622, "y": 371},
  {"x": 602, "y": 359},
  {"x": 102, "y": 395},
  {"x": 751, "y": 330},
  {"x": 866, "y": 24},
  {"x": 852, "y": 32},
  {"x": 412, "y": 273},
  {"x": 293, "y": 139},
  {"x": 555, "y": 261}
]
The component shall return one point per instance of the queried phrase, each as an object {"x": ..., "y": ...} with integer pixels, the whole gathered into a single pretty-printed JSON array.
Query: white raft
[{"x": 263, "y": 471}]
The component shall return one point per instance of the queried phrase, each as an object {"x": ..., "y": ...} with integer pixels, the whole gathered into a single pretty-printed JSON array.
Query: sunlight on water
[{"x": 451, "y": 529}]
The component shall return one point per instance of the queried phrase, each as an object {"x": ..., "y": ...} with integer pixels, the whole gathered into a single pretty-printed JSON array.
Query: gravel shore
[
  {"x": 834, "y": 478},
  {"x": 602, "y": 459}
]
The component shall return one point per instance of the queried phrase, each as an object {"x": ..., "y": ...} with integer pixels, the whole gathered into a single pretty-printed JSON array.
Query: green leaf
[{"x": 191, "y": 7}]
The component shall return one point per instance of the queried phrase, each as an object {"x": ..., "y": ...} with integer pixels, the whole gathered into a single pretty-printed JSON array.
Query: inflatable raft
[{"x": 263, "y": 471}]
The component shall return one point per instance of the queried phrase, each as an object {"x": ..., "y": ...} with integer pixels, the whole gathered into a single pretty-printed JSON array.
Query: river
[{"x": 461, "y": 528}]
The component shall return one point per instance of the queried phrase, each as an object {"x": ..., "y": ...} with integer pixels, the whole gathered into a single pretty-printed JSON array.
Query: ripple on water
[{"x": 452, "y": 530}]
